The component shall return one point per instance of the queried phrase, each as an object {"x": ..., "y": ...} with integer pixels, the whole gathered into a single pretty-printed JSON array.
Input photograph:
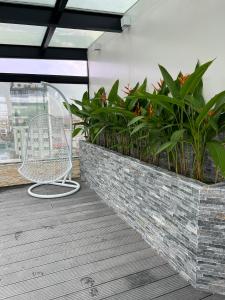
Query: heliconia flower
[
  {"x": 182, "y": 78},
  {"x": 159, "y": 87},
  {"x": 127, "y": 90},
  {"x": 150, "y": 110},
  {"x": 137, "y": 111},
  {"x": 103, "y": 98},
  {"x": 211, "y": 113}
]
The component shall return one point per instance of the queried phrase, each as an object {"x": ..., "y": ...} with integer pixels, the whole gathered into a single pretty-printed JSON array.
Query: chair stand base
[{"x": 67, "y": 183}]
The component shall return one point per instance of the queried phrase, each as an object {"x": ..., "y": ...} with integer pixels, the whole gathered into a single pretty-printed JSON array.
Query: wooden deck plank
[
  {"x": 36, "y": 210},
  {"x": 50, "y": 275},
  {"x": 55, "y": 221},
  {"x": 20, "y": 200},
  {"x": 149, "y": 291},
  {"x": 45, "y": 232},
  {"x": 45, "y": 204},
  {"x": 48, "y": 287},
  {"x": 119, "y": 286},
  {"x": 19, "y": 196},
  {"x": 77, "y": 261},
  {"x": 66, "y": 238},
  {"x": 79, "y": 288},
  {"x": 78, "y": 248},
  {"x": 67, "y": 253},
  {"x": 184, "y": 294},
  {"x": 66, "y": 246},
  {"x": 214, "y": 297},
  {"x": 69, "y": 213}
]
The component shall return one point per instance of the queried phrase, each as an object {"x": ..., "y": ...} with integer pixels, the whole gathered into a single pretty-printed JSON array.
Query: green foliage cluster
[{"x": 173, "y": 127}]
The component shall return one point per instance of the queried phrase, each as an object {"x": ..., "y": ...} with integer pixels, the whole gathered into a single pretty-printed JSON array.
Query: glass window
[
  {"x": 33, "y": 2},
  {"x": 74, "y": 38},
  {"x": 48, "y": 67},
  {"x": 113, "y": 6},
  {"x": 19, "y": 102},
  {"x": 21, "y": 34}
]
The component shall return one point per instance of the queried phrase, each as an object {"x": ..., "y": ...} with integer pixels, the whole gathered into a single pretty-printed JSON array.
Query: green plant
[
  {"x": 173, "y": 126},
  {"x": 103, "y": 119},
  {"x": 193, "y": 122}
]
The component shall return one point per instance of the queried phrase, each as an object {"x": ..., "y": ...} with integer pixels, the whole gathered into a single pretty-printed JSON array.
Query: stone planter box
[{"x": 183, "y": 219}]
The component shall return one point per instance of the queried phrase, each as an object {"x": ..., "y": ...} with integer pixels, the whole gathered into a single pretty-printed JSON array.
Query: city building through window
[{"x": 19, "y": 103}]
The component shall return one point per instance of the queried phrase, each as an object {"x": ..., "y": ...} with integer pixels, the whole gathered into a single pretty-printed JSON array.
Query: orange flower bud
[
  {"x": 103, "y": 98},
  {"x": 137, "y": 111},
  {"x": 127, "y": 90},
  {"x": 211, "y": 113},
  {"x": 150, "y": 110},
  {"x": 159, "y": 85},
  {"x": 182, "y": 79}
]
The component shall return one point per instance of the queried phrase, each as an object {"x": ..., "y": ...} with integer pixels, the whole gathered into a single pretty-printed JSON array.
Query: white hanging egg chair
[{"x": 48, "y": 154}]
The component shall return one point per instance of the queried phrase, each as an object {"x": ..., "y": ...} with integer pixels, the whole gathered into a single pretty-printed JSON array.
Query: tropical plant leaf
[
  {"x": 76, "y": 131},
  {"x": 198, "y": 92},
  {"x": 132, "y": 103},
  {"x": 87, "y": 108},
  {"x": 217, "y": 152},
  {"x": 85, "y": 98},
  {"x": 73, "y": 108},
  {"x": 170, "y": 82},
  {"x": 194, "y": 79},
  {"x": 221, "y": 120},
  {"x": 177, "y": 135},
  {"x": 98, "y": 133},
  {"x": 113, "y": 94},
  {"x": 138, "y": 127},
  {"x": 164, "y": 99},
  {"x": 204, "y": 113},
  {"x": 135, "y": 120},
  {"x": 143, "y": 87},
  {"x": 135, "y": 87},
  {"x": 113, "y": 110},
  {"x": 168, "y": 146},
  {"x": 99, "y": 93},
  {"x": 195, "y": 103},
  {"x": 214, "y": 125}
]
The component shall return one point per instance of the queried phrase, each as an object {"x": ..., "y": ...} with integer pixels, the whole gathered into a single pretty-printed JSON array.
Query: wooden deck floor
[{"x": 77, "y": 248}]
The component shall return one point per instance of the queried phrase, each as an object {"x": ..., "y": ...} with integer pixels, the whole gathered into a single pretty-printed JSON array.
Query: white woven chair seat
[
  {"x": 47, "y": 157},
  {"x": 45, "y": 171}
]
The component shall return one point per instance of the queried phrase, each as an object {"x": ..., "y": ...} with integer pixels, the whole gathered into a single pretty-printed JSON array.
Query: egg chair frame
[{"x": 57, "y": 169}]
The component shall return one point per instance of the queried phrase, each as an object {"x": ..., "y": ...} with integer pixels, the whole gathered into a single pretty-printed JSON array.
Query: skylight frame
[{"x": 53, "y": 18}]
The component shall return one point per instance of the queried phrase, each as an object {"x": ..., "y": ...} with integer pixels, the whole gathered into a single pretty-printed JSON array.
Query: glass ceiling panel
[
  {"x": 21, "y": 34},
  {"x": 74, "y": 38},
  {"x": 43, "y": 67},
  {"x": 33, "y": 2},
  {"x": 112, "y": 6}
]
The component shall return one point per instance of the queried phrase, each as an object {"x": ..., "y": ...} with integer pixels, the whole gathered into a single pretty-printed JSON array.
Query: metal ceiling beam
[
  {"x": 55, "y": 18},
  {"x": 13, "y": 51},
  {"x": 24, "y": 14},
  {"x": 76, "y": 19},
  {"x": 11, "y": 77}
]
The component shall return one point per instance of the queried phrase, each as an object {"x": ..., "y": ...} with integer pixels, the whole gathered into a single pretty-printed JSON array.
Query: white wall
[{"x": 174, "y": 33}]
